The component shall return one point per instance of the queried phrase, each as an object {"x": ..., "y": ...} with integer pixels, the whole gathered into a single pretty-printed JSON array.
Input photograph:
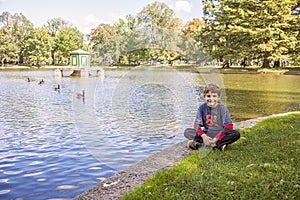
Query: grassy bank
[{"x": 263, "y": 164}]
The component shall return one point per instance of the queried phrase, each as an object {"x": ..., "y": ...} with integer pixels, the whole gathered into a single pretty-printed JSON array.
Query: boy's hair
[{"x": 213, "y": 88}]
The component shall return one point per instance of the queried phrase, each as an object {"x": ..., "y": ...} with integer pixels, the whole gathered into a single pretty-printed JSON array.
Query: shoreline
[
  {"x": 115, "y": 186},
  {"x": 202, "y": 69}
]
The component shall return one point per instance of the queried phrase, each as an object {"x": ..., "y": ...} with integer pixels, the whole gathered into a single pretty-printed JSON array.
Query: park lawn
[{"x": 263, "y": 164}]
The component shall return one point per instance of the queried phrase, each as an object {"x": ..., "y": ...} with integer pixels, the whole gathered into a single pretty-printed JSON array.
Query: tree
[
  {"x": 193, "y": 26},
  {"x": 17, "y": 29},
  {"x": 38, "y": 50},
  {"x": 68, "y": 39},
  {"x": 22, "y": 31},
  {"x": 132, "y": 45},
  {"x": 160, "y": 27},
  {"x": 257, "y": 29},
  {"x": 8, "y": 48},
  {"x": 296, "y": 27},
  {"x": 54, "y": 26},
  {"x": 103, "y": 40}
]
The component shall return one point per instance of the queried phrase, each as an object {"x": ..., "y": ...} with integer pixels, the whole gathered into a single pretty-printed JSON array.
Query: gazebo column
[{"x": 58, "y": 73}]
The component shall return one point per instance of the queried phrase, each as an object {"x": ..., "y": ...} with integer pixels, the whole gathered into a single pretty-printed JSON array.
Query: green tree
[
  {"x": 132, "y": 46},
  {"x": 259, "y": 29},
  {"x": 161, "y": 27},
  {"x": 296, "y": 27},
  {"x": 17, "y": 31},
  {"x": 38, "y": 49},
  {"x": 102, "y": 40},
  {"x": 54, "y": 26},
  {"x": 68, "y": 39},
  {"x": 8, "y": 48}
]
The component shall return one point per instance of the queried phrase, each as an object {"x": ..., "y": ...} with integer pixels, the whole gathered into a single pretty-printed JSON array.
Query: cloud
[
  {"x": 91, "y": 21},
  {"x": 183, "y": 6}
]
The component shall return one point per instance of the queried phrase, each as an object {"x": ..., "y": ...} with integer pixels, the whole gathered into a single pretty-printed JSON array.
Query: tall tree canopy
[
  {"x": 67, "y": 40},
  {"x": 253, "y": 29},
  {"x": 54, "y": 26}
]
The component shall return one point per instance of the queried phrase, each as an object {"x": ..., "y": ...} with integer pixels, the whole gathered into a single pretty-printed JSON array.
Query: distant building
[{"x": 80, "y": 59}]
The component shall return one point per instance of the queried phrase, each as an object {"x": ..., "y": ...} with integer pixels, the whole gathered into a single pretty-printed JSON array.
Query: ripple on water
[
  {"x": 95, "y": 168},
  {"x": 41, "y": 179},
  {"x": 35, "y": 163},
  {"x": 4, "y": 191},
  {"x": 12, "y": 172},
  {"x": 87, "y": 182},
  {"x": 67, "y": 187},
  {"x": 33, "y": 174},
  {"x": 7, "y": 165}
]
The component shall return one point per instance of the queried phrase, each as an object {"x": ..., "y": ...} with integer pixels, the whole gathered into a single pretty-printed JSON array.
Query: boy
[{"x": 213, "y": 126}]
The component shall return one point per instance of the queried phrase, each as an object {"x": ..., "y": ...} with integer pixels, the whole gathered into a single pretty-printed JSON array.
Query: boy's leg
[
  {"x": 191, "y": 134},
  {"x": 195, "y": 141},
  {"x": 231, "y": 137}
]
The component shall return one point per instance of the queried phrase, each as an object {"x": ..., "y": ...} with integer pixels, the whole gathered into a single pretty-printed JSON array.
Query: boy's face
[{"x": 212, "y": 99}]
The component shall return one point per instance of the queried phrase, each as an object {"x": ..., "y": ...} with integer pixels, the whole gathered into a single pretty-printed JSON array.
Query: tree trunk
[
  {"x": 244, "y": 63},
  {"x": 53, "y": 57},
  {"x": 266, "y": 63},
  {"x": 225, "y": 64},
  {"x": 277, "y": 64}
]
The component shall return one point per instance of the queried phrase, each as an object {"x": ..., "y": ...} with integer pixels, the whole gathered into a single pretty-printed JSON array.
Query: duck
[
  {"x": 81, "y": 95},
  {"x": 57, "y": 88},
  {"x": 41, "y": 82}
]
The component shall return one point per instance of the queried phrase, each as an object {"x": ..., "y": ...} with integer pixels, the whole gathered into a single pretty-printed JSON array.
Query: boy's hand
[
  {"x": 213, "y": 142},
  {"x": 206, "y": 140}
]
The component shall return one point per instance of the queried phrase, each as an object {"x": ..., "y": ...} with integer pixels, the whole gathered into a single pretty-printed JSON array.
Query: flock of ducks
[{"x": 57, "y": 88}]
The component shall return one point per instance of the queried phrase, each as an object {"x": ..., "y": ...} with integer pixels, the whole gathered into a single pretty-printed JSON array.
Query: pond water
[{"x": 58, "y": 144}]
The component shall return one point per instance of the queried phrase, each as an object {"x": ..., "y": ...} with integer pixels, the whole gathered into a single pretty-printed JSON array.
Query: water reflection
[
  {"x": 133, "y": 115},
  {"x": 252, "y": 96},
  {"x": 55, "y": 144}
]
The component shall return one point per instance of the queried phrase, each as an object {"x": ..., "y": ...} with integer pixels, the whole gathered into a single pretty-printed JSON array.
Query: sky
[{"x": 88, "y": 14}]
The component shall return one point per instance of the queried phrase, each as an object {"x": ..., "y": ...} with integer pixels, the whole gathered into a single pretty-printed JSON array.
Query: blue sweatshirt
[{"x": 212, "y": 119}]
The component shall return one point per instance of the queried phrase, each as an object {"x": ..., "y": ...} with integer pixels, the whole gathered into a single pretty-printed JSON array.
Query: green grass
[
  {"x": 259, "y": 69},
  {"x": 263, "y": 164}
]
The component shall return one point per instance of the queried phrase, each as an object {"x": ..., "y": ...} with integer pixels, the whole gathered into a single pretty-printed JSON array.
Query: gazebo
[
  {"x": 80, "y": 65},
  {"x": 80, "y": 58},
  {"x": 80, "y": 61}
]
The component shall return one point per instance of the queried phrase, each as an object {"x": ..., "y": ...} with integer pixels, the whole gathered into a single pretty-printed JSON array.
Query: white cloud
[
  {"x": 89, "y": 22},
  {"x": 183, "y": 6},
  {"x": 92, "y": 19}
]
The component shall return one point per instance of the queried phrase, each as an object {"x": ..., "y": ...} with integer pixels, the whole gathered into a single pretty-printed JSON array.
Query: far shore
[{"x": 184, "y": 67}]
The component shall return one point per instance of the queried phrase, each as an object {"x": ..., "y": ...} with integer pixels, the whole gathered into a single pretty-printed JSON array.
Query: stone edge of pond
[{"x": 115, "y": 186}]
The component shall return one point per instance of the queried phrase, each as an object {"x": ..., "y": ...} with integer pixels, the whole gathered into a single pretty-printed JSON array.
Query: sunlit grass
[{"x": 263, "y": 164}]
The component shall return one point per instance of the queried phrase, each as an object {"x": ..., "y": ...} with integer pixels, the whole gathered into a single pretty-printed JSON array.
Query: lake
[{"x": 59, "y": 143}]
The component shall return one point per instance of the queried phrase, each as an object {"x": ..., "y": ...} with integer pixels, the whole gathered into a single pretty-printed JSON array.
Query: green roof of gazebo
[{"x": 79, "y": 52}]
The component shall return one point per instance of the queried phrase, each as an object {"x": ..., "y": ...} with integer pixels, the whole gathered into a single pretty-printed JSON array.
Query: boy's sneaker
[
  {"x": 193, "y": 144},
  {"x": 224, "y": 147}
]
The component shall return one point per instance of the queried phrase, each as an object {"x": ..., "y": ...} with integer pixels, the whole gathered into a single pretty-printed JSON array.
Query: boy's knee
[
  {"x": 190, "y": 133},
  {"x": 237, "y": 134}
]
